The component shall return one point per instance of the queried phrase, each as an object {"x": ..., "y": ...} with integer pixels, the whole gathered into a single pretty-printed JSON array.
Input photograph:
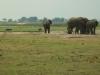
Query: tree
[
  {"x": 23, "y": 19},
  {"x": 4, "y": 19},
  {"x": 28, "y": 20},
  {"x": 10, "y": 20},
  {"x": 32, "y": 19},
  {"x": 58, "y": 20}
]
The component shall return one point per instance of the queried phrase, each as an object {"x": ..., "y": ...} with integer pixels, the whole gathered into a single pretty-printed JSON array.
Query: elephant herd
[{"x": 81, "y": 25}]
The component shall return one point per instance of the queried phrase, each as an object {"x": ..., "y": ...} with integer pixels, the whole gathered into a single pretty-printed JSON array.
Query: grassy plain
[
  {"x": 49, "y": 54},
  {"x": 36, "y": 53}
]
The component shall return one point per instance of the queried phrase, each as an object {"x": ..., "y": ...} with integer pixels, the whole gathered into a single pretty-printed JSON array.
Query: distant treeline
[{"x": 31, "y": 20}]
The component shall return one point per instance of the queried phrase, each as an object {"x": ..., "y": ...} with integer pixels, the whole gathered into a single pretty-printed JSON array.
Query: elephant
[
  {"x": 82, "y": 25},
  {"x": 46, "y": 25},
  {"x": 79, "y": 23},
  {"x": 71, "y": 25},
  {"x": 91, "y": 26}
]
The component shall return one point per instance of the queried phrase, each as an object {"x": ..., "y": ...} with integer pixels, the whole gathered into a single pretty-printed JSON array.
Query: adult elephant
[
  {"x": 46, "y": 25},
  {"x": 71, "y": 24},
  {"x": 91, "y": 26},
  {"x": 79, "y": 23},
  {"x": 83, "y": 21}
]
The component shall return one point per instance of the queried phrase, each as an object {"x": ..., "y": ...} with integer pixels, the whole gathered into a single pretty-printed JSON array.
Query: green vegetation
[
  {"x": 32, "y": 27},
  {"x": 41, "y": 54}
]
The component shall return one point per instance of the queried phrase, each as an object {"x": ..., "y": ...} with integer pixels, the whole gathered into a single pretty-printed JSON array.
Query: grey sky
[{"x": 49, "y": 8}]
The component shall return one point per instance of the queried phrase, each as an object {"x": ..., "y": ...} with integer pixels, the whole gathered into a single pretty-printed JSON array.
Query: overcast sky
[{"x": 49, "y": 8}]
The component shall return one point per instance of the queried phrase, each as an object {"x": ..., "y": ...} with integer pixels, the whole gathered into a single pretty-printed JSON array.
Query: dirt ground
[{"x": 58, "y": 33}]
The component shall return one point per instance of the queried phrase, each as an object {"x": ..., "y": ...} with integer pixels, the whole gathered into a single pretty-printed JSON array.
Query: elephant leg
[
  {"x": 76, "y": 31},
  {"x": 84, "y": 30},
  {"x": 81, "y": 30},
  {"x": 91, "y": 30},
  {"x": 69, "y": 30},
  {"x": 48, "y": 29},
  {"x": 45, "y": 29},
  {"x": 94, "y": 30},
  {"x": 87, "y": 30}
]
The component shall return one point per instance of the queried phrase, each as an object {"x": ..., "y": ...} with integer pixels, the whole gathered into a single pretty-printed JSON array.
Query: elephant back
[{"x": 72, "y": 22}]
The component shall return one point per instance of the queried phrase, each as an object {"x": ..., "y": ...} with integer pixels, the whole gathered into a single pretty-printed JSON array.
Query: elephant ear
[
  {"x": 96, "y": 22},
  {"x": 50, "y": 21}
]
